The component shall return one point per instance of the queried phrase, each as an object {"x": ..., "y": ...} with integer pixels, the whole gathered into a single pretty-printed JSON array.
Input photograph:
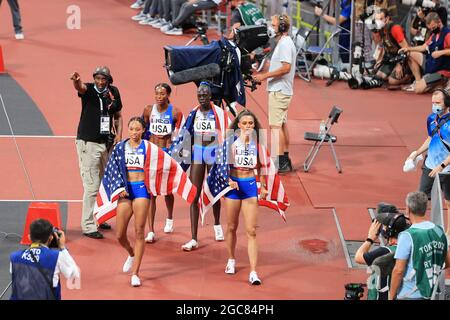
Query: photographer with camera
[
  {"x": 421, "y": 253},
  {"x": 35, "y": 271},
  {"x": 100, "y": 128},
  {"x": 389, "y": 222},
  {"x": 280, "y": 84},
  {"x": 344, "y": 21},
  {"x": 418, "y": 26},
  {"x": 432, "y": 59},
  {"x": 390, "y": 64}
]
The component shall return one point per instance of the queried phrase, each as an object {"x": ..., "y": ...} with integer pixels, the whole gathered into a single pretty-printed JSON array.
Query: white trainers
[
  {"x": 158, "y": 24},
  {"x": 147, "y": 20},
  {"x": 128, "y": 264},
  {"x": 139, "y": 17},
  {"x": 189, "y": 246},
  {"x": 168, "y": 228},
  {"x": 253, "y": 279},
  {"x": 135, "y": 281},
  {"x": 174, "y": 32},
  {"x": 166, "y": 28},
  {"x": 20, "y": 36},
  {"x": 137, "y": 5},
  {"x": 151, "y": 237},
  {"x": 230, "y": 268},
  {"x": 218, "y": 232}
]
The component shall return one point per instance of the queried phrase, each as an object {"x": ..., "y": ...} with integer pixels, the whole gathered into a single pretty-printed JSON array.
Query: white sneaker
[
  {"x": 253, "y": 279},
  {"x": 158, "y": 24},
  {"x": 20, "y": 36},
  {"x": 166, "y": 28},
  {"x": 135, "y": 281},
  {"x": 151, "y": 237},
  {"x": 140, "y": 16},
  {"x": 147, "y": 20},
  {"x": 230, "y": 268},
  {"x": 128, "y": 264},
  {"x": 219, "y": 232},
  {"x": 191, "y": 245},
  {"x": 137, "y": 5},
  {"x": 174, "y": 32},
  {"x": 168, "y": 228}
]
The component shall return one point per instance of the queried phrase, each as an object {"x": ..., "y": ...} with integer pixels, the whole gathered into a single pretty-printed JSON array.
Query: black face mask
[{"x": 436, "y": 30}]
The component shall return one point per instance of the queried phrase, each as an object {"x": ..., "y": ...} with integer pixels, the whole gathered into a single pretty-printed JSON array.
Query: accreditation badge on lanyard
[
  {"x": 104, "y": 120},
  {"x": 104, "y": 124}
]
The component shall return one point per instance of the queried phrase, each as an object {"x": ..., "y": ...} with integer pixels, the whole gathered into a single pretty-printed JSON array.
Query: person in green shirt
[{"x": 421, "y": 253}]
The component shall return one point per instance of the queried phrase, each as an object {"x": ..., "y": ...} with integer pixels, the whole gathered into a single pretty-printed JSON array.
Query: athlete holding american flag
[
  {"x": 195, "y": 147},
  {"x": 246, "y": 175},
  {"x": 136, "y": 169}
]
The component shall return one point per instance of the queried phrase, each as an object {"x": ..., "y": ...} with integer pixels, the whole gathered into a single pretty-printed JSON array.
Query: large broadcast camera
[{"x": 226, "y": 65}]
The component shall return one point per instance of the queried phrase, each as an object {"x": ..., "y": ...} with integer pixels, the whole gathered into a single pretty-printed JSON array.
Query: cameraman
[
  {"x": 392, "y": 38},
  {"x": 389, "y": 222},
  {"x": 35, "y": 271},
  {"x": 345, "y": 23},
  {"x": 418, "y": 26},
  {"x": 100, "y": 107},
  {"x": 280, "y": 84},
  {"x": 432, "y": 59}
]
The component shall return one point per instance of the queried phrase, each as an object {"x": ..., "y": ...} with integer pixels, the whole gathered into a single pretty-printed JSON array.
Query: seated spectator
[
  {"x": 182, "y": 10},
  {"x": 389, "y": 222},
  {"x": 391, "y": 39},
  {"x": 244, "y": 13},
  {"x": 432, "y": 59}
]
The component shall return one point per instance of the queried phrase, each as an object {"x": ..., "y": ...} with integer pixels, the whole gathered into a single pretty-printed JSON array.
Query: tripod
[{"x": 202, "y": 27}]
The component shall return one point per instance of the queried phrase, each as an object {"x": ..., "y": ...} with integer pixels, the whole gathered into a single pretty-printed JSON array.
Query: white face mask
[
  {"x": 437, "y": 109},
  {"x": 379, "y": 24},
  {"x": 271, "y": 32}
]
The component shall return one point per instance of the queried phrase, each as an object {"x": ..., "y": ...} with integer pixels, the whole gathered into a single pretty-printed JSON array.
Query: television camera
[{"x": 226, "y": 65}]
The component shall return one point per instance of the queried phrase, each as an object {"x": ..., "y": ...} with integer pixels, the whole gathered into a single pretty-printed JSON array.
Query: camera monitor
[{"x": 251, "y": 37}]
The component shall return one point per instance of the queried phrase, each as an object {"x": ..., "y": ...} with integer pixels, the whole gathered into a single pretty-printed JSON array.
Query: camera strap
[
  {"x": 438, "y": 130},
  {"x": 33, "y": 257}
]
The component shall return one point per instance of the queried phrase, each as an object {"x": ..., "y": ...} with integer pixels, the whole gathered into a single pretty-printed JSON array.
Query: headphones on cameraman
[
  {"x": 390, "y": 231},
  {"x": 282, "y": 24},
  {"x": 446, "y": 97}
]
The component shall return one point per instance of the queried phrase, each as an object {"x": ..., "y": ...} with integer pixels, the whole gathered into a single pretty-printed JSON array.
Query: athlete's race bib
[
  {"x": 160, "y": 127},
  {"x": 134, "y": 160},
  {"x": 205, "y": 126}
]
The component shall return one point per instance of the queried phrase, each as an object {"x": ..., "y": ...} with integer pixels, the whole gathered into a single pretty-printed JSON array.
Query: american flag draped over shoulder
[
  {"x": 180, "y": 149},
  {"x": 216, "y": 184},
  {"x": 163, "y": 176},
  {"x": 113, "y": 183}
]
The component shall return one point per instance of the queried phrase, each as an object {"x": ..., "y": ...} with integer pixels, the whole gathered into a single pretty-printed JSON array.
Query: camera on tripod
[
  {"x": 354, "y": 291},
  {"x": 202, "y": 27}
]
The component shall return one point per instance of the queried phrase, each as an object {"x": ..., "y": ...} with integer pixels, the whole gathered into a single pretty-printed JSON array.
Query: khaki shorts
[{"x": 278, "y": 108}]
